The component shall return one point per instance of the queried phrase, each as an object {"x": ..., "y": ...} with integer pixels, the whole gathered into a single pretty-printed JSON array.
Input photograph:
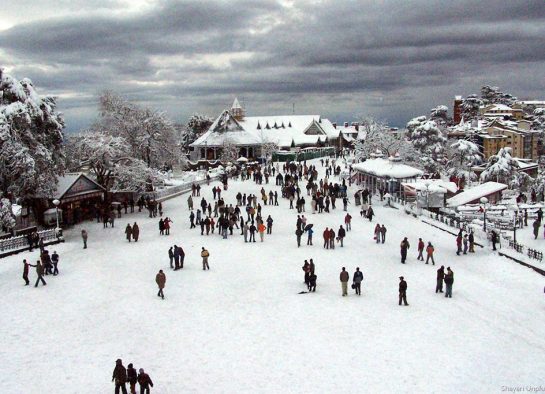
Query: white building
[{"x": 250, "y": 133}]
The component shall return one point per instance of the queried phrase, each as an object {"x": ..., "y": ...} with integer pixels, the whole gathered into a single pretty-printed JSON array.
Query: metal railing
[{"x": 21, "y": 241}]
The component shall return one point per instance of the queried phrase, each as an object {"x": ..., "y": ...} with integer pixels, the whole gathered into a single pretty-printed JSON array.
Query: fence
[
  {"x": 21, "y": 242},
  {"x": 165, "y": 194}
]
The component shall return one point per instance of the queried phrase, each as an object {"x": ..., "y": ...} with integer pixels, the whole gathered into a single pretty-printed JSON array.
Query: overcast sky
[{"x": 341, "y": 59}]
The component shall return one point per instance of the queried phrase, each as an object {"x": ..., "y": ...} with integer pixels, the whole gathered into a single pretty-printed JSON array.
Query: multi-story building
[{"x": 522, "y": 141}]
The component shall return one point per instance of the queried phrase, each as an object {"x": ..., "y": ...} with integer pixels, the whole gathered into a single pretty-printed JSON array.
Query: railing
[
  {"x": 170, "y": 191},
  {"x": 21, "y": 241}
]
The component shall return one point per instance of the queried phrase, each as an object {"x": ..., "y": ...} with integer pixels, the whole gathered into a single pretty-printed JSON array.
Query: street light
[
  {"x": 56, "y": 203},
  {"x": 427, "y": 184},
  {"x": 515, "y": 223},
  {"x": 484, "y": 201}
]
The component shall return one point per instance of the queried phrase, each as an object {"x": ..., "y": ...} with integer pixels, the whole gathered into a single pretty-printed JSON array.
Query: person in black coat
[
  {"x": 494, "y": 239},
  {"x": 440, "y": 277},
  {"x": 171, "y": 257},
  {"x": 120, "y": 377},
  {"x": 312, "y": 282},
  {"x": 341, "y": 234},
  {"x": 357, "y": 278},
  {"x": 402, "y": 291},
  {"x": 269, "y": 224},
  {"x": 132, "y": 378}
]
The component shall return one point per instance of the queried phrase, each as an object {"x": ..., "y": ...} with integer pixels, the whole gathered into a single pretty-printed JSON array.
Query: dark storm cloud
[{"x": 390, "y": 58}]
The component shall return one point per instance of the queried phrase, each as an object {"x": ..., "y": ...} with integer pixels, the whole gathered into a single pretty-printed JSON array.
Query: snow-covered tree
[
  {"x": 493, "y": 95},
  {"x": 500, "y": 167},
  {"x": 7, "y": 219},
  {"x": 197, "y": 125},
  {"x": 463, "y": 154},
  {"x": 150, "y": 134},
  {"x": 110, "y": 160},
  {"x": 377, "y": 137},
  {"x": 521, "y": 181},
  {"x": 470, "y": 107},
  {"x": 229, "y": 152},
  {"x": 135, "y": 176},
  {"x": 440, "y": 116},
  {"x": 428, "y": 140},
  {"x": 31, "y": 139}
]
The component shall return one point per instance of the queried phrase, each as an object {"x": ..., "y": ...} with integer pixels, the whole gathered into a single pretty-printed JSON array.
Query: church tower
[{"x": 237, "y": 111}]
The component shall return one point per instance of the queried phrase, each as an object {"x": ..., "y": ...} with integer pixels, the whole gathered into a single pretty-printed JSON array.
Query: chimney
[{"x": 345, "y": 124}]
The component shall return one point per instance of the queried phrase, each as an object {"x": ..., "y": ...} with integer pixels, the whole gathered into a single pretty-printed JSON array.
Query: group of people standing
[{"x": 121, "y": 376}]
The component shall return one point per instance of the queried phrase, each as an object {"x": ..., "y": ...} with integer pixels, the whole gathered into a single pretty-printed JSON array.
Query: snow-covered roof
[
  {"x": 498, "y": 107},
  {"x": 387, "y": 168},
  {"x": 475, "y": 193},
  {"x": 525, "y": 164},
  {"x": 255, "y": 130},
  {"x": 67, "y": 181},
  {"x": 435, "y": 185}
]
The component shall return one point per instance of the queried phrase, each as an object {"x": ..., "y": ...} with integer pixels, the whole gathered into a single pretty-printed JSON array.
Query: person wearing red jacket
[
  {"x": 420, "y": 249},
  {"x": 326, "y": 238}
]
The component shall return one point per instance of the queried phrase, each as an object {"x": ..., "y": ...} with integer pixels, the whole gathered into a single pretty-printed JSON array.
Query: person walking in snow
[
  {"x": 182, "y": 256},
  {"x": 166, "y": 224},
  {"x": 119, "y": 376},
  {"x": 420, "y": 249},
  {"x": 383, "y": 233},
  {"x": 404, "y": 247},
  {"x": 161, "y": 279},
  {"x": 465, "y": 243},
  {"x": 128, "y": 232},
  {"x": 261, "y": 231},
  {"x": 341, "y": 233},
  {"x": 192, "y": 220},
  {"x": 205, "y": 254},
  {"x": 331, "y": 238},
  {"x": 348, "y": 221},
  {"x": 269, "y": 224},
  {"x": 459, "y": 243},
  {"x": 310, "y": 231},
  {"x": 429, "y": 251},
  {"x": 161, "y": 227},
  {"x": 306, "y": 270},
  {"x": 344, "y": 277},
  {"x": 440, "y": 278},
  {"x": 40, "y": 272},
  {"x": 190, "y": 203},
  {"x": 536, "y": 226},
  {"x": 252, "y": 229},
  {"x": 494, "y": 239},
  {"x": 376, "y": 236},
  {"x": 298, "y": 235},
  {"x": 132, "y": 378},
  {"x": 449, "y": 280},
  {"x": 55, "y": 262},
  {"x": 370, "y": 213},
  {"x": 171, "y": 257},
  {"x": 135, "y": 232},
  {"x": 312, "y": 281},
  {"x": 84, "y": 238},
  {"x": 326, "y": 238},
  {"x": 357, "y": 278},
  {"x": 143, "y": 378},
  {"x": 471, "y": 239},
  {"x": 25, "y": 272},
  {"x": 402, "y": 291}
]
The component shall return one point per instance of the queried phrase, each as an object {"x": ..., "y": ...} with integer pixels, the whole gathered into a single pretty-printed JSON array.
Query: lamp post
[
  {"x": 484, "y": 201},
  {"x": 515, "y": 223},
  {"x": 427, "y": 184},
  {"x": 56, "y": 203}
]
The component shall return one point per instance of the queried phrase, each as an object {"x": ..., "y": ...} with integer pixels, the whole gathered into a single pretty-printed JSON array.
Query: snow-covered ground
[{"x": 242, "y": 327}]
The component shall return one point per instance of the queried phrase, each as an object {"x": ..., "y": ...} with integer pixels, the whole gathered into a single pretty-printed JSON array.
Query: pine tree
[
  {"x": 31, "y": 140},
  {"x": 500, "y": 168}
]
